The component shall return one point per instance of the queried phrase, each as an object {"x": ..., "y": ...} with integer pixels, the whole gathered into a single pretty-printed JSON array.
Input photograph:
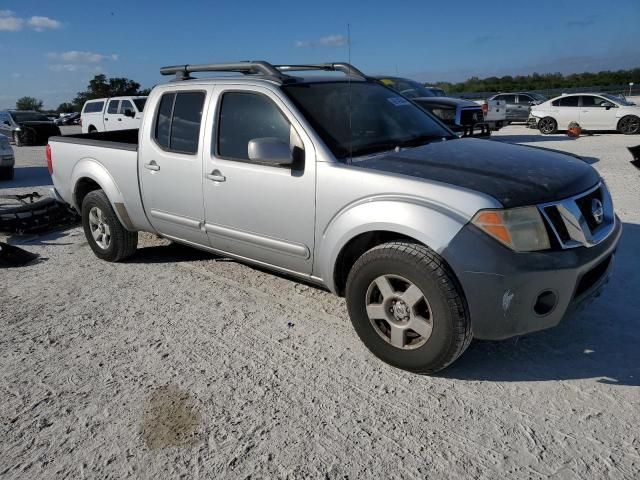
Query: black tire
[
  {"x": 35, "y": 217},
  {"x": 450, "y": 333},
  {"x": 629, "y": 125},
  {"x": 548, "y": 126},
  {"x": 92, "y": 129},
  {"x": 122, "y": 243},
  {"x": 6, "y": 173}
]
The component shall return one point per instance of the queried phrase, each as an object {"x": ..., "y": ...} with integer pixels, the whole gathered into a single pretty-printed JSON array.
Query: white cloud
[
  {"x": 75, "y": 56},
  {"x": 40, "y": 24},
  {"x": 76, "y": 67},
  {"x": 328, "y": 41},
  {"x": 11, "y": 23}
]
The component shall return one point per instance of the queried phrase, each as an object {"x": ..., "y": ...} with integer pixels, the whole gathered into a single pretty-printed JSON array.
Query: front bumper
[{"x": 502, "y": 287}]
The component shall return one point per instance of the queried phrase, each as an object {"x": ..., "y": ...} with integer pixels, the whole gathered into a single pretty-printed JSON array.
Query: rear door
[
  {"x": 566, "y": 110},
  {"x": 261, "y": 212},
  {"x": 111, "y": 115},
  {"x": 170, "y": 164},
  {"x": 595, "y": 115}
]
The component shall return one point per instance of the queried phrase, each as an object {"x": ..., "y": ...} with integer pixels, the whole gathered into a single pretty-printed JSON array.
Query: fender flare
[{"x": 430, "y": 223}]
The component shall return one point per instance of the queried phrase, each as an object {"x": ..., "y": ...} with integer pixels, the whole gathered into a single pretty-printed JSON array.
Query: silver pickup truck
[{"x": 345, "y": 183}]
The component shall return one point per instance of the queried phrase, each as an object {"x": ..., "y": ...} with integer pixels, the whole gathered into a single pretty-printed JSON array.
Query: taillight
[
  {"x": 485, "y": 109},
  {"x": 49, "y": 162}
]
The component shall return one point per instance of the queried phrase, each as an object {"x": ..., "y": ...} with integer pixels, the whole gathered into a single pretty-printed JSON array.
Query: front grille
[
  {"x": 471, "y": 116},
  {"x": 592, "y": 277},
  {"x": 574, "y": 221}
]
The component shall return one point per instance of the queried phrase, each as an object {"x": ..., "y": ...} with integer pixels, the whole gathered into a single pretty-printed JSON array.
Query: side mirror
[
  {"x": 270, "y": 151},
  {"x": 129, "y": 113},
  {"x": 607, "y": 105}
]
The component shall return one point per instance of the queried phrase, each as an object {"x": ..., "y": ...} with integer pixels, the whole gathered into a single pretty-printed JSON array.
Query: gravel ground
[{"x": 181, "y": 364}]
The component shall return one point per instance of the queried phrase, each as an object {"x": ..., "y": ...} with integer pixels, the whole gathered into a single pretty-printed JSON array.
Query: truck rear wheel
[
  {"x": 407, "y": 307},
  {"x": 108, "y": 239}
]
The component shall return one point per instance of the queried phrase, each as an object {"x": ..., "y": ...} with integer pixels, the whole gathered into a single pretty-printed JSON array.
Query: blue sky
[{"x": 50, "y": 49}]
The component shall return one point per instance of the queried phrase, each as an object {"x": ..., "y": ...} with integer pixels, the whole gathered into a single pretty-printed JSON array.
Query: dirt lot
[{"x": 181, "y": 364}]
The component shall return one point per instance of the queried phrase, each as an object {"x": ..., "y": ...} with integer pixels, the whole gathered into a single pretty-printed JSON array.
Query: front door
[
  {"x": 127, "y": 121},
  {"x": 170, "y": 165},
  {"x": 597, "y": 113},
  {"x": 260, "y": 212}
]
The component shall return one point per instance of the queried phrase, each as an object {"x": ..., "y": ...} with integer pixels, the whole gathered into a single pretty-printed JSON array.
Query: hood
[
  {"x": 458, "y": 102},
  {"x": 515, "y": 175},
  {"x": 36, "y": 123}
]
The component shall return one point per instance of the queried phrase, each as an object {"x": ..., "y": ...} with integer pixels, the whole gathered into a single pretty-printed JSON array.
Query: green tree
[
  {"x": 29, "y": 103},
  {"x": 65, "y": 107},
  {"x": 101, "y": 87}
]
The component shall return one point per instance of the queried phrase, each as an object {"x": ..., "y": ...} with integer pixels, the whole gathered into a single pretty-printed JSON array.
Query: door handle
[
  {"x": 152, "y": 166},
  {"x": 106, "y": 119},
  {"x": 216, "y": 176}
]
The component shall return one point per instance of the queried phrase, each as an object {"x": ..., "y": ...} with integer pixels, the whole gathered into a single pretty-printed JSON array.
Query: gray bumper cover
[{"x": 502, "y": 286}]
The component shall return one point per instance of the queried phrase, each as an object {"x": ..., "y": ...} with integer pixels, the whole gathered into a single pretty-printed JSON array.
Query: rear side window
[
  {"x": 178, "y": 121},
  {"x": 566, "y": 102},
  {"x": 245, "y": 117},
  {"x": 93, "y": 107},
  {"x": 113, "y": 106}
]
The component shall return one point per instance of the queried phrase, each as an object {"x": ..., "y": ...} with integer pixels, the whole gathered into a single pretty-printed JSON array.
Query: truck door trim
[{"x": 169, "y": 217}]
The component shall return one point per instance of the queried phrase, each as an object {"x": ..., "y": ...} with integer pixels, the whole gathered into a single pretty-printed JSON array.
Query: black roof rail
[
  {"x": 256, "y": 67},
  {"x": 343, "y": 67}
]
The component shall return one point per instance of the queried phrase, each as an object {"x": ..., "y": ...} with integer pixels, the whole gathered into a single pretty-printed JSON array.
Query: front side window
[
  {"x": 245, "y": 117},
  {"x": 524, "y": 99},
  {"x": 360, "y": 118},
  {"x": 113, "y": 106},
  {"x": 124, "y": 106},
  {"x": 178, "y": 121}
]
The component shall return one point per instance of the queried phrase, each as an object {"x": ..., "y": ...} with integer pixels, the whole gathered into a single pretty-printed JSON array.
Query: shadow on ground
[
  {"x": 602, "y": 341},
  {"x": 27, "y": 177}
]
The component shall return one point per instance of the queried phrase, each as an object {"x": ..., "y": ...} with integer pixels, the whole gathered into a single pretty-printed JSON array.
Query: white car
[
  {"x": 7, "y": 160},
  {"x": 592, "y": 111},
  {"x": 115, "y": 113}
]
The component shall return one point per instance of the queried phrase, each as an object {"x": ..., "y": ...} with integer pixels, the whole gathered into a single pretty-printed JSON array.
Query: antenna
[{"x": 349, "y": 88}]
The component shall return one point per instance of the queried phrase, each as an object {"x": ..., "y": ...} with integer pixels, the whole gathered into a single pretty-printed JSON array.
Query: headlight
[{"x": 520, "y": 229}]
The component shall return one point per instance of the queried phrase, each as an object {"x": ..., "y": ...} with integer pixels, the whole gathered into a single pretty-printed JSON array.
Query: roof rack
[
  {"x": 343, "y": 67},
  {"x": 182, "y": 71},
  {"x": 275, "y": 72}
]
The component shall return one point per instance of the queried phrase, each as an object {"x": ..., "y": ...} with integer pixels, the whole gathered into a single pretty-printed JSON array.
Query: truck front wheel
[
  {"x": 108, "y": 239},
  {"x": 407, "y": 307}
]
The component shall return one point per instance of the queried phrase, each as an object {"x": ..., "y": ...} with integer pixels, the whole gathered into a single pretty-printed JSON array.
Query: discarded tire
[{"x": 35, "y": 217}]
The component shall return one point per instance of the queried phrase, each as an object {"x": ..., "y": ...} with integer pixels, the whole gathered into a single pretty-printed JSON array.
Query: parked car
[
  {"x": 464, "y": 117},
  {"x": 519, "y": 103},
  {"x": 116, "y": 113},
  {"x": 25, "y": 127},
  {"x": 7, "y": 159},
  {"x": 592, "y": 111},
  {"x": 347, "y": 184}
]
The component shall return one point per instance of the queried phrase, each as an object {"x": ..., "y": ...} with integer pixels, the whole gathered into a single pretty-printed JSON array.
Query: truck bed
[{"x": 109, "y": 159}]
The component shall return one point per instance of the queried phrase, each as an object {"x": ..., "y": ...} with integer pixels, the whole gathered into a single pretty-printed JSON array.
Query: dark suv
[
  {"x": 462, "y": 116},
  {"x": 519, "y": 104},
  {"x": 25, "y": 127}
]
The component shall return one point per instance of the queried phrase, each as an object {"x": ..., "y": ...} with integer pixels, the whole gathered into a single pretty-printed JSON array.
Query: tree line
[{"x": 545, "y": 81}]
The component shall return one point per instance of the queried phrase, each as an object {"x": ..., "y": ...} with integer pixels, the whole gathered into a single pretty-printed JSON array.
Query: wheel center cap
[{"x": 400, "y": 311}]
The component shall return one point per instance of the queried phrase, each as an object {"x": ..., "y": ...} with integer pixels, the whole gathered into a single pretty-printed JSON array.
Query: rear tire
[
  {"x": 548, "y": 126},
  {"x": 92, "y": 129},
  {"x": 629, "y": 125},
  {"x": 407, "y": 307},
  {"x": 107, "y": 237}
]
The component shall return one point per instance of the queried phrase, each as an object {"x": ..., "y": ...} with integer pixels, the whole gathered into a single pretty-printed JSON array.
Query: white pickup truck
[
  {"x": 495, "y": 112},
  {"x": 115, "y": 113},
  {"x": 345, "y": 183}
]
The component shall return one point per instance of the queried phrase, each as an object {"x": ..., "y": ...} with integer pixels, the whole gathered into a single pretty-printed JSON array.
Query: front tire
[
  {"x": 407, "y": 307},
  {"x": 548, "y": 126},
  {"x": 108, "y": 239},
  {"x": 629, "y": 125}
]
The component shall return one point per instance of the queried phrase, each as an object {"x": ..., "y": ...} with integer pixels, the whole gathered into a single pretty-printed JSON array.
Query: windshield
[
  {"x": 140, "y": 103},
  {"x": 436, "y": 92},
  {"x": 618, "y": 100},
  {"x": 29, "y": 117},
  {"x": 364, "y": 117}
]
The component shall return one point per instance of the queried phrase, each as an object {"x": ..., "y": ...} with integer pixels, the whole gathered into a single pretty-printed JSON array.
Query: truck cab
[{"x": 115, "y": 113}]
